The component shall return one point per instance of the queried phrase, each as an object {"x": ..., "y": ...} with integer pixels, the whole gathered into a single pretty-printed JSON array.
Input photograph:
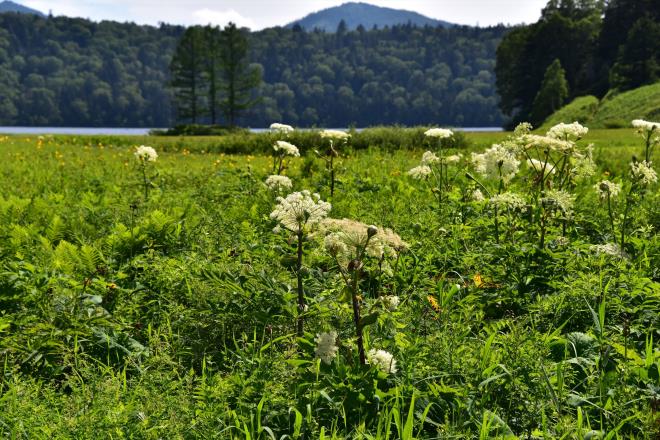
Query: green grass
[
  {"x": 581, "y": 109},
  {"x": 174, "y": 316},
  {"x": 614, "y": 111}
]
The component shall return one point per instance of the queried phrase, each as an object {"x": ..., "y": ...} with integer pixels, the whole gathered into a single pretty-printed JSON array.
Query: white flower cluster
[
  {"x": 390, "y": 302},
  {"x": 645, "y": 127},
  {"x": 644, "y": 172},
  {"x": 495, "y": 161},
  {"x": 508, "y": 200},
  {"x": 326, "y": 346},
  {"x": 611, "y": 249},
  {"x": 559, "y": 199},
  {"x": 568, "y": 131},
  {"x": 335, "y": 134},
  {"x": 278, "y": 183},
  {"x": 429, "y": 158},
  {"x": 522, "y": 129},
  {"x": 541, "y": 167},
  {"x": 382, "y": 360},
  {"x": 546, "y": 142},
  {"x": 281, "y": 128},
  {"x": 439, "y": 133},
  {"x": 478, "y": 196},
  {"x": 421, "y": 172},
  {"x": 300, "y": 209},
  {"x": 607, "y": 188},
  {"x": 286, "y": 149},
  {"x": 346, "y": 238},
  {"x": 454, "y": 158},
  {"x": 146, "y": 154}
]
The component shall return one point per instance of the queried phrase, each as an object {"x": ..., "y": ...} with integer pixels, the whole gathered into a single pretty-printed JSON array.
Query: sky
[{"x": 259, "y": 14}]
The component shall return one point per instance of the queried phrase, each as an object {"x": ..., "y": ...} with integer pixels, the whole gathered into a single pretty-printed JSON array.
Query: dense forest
[
  {"x": 64, "y": 71},
  {"x": 594, "y": 47}
]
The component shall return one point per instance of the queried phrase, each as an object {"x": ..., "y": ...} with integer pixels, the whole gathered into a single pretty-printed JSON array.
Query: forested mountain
[
  {"x": 65, "y": 71},
  {"x": 9, "y": 6},
  {"x": 354, "y": 14}
]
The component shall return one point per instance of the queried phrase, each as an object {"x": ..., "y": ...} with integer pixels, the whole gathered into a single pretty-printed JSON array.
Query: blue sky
[{"x": 258, "y": 14}]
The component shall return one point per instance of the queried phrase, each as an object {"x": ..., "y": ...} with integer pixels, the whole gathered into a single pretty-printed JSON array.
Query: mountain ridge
[
  {"x": 355, "y": 14},
  {"x": 9, "y": 6}
]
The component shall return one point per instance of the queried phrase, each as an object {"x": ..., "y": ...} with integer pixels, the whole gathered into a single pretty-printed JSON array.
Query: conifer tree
[{"x": 552, "y": 94}]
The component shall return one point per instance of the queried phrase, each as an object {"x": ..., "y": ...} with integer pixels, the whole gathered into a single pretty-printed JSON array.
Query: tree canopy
[
  {"x": 601, "y": 45},
  {"x": 68, "y": 71}
]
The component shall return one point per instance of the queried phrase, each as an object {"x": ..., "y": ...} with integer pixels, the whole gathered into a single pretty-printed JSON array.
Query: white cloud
[{"x": 221, "y": 18}]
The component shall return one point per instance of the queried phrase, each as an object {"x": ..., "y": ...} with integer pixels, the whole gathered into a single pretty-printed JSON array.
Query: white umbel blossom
[
  {"x": 439, "y": 133},
  {"x": 560, "y": 199},
  {"x": 546, "y": 142},
  {"x": 644, "y": 172},
  {"x": 299, "y": 210},
  {"x": 508, "y": 200},
  {"x": 429, "y": 158},
  {"x": 382, "y": 360},
  {"x": 335, "y": 244},
  {"x": 346, "y": 238},
  {"x": 281, "y": 128},
  {"x": 611, "y": 249},
  {"x": 390, "y": 302},
  {"x": 421, "y": 172},
  {"x": 286, "y": 149},
  {"x": 494, "y": 161},
  {"x": 335, "y": 134},
  {"x": 645, "y": 126},
  {"x": 278, "y": 183},
  {"x": 607, "y": 188},
  {"x": 568, "y": 131},
  {"x": 454, "y": 158},
  {"x": 326, "y": 346},
  {"x": 146, "y": 154},
  {"x": 478, "y": 196}
]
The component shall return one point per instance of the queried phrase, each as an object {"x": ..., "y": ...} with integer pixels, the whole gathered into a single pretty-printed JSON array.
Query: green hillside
[{"x": 613, "y": 111}]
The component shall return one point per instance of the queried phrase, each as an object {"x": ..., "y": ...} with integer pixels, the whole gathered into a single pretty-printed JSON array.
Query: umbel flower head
[
  {"x": 281, "y": 128},
  {"x": 278, "y": 183},
  {"x": 429, "y": 158},
  {"x": 508, "y": 200},
  {"x": 390, "y": 302},
  {"x": 496, "y": 161},
  {"x": 382, "y": 360},
  {"x": 546, "y": 143},
  {"x": 334, "y": 134},
  {"x": 421, "y": 172},
  {"x": 645, "y": 127},
  {"x": 345, "y": 239},
  {"x": 439, "y": 133},
  {"x": 644, "y": 172},
  {"x": 146, "y": 154},
  {"x": 611, "y": 249},
  {"x": 567, "y": 132},
  {"x": 286, "y": 149},
  {"x": 560, "y": 200},
  {"x": 300, "y": 210},
  {"x": 326, "y": 346},
  {"x": 607, "y": 189}
]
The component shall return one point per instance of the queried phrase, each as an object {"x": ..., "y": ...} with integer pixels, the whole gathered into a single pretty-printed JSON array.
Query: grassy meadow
[{"x": 145, "y": 299}]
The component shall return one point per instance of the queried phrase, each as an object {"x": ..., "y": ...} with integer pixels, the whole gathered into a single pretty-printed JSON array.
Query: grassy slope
[{"x": 615, "y": 111}]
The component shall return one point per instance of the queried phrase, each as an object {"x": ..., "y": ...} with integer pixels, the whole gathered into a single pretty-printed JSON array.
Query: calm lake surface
[{"x": 145, "y": 131}]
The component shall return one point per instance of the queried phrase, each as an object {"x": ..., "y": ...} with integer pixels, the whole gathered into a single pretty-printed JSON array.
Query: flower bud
[{"x": 371, "y": 231}]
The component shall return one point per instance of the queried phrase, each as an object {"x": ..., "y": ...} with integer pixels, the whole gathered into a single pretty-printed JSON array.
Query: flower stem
[{"x": 301, "y": 293}]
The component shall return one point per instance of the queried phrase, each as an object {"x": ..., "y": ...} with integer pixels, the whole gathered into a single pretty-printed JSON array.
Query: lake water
[{"x": 145, "y": 131}]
